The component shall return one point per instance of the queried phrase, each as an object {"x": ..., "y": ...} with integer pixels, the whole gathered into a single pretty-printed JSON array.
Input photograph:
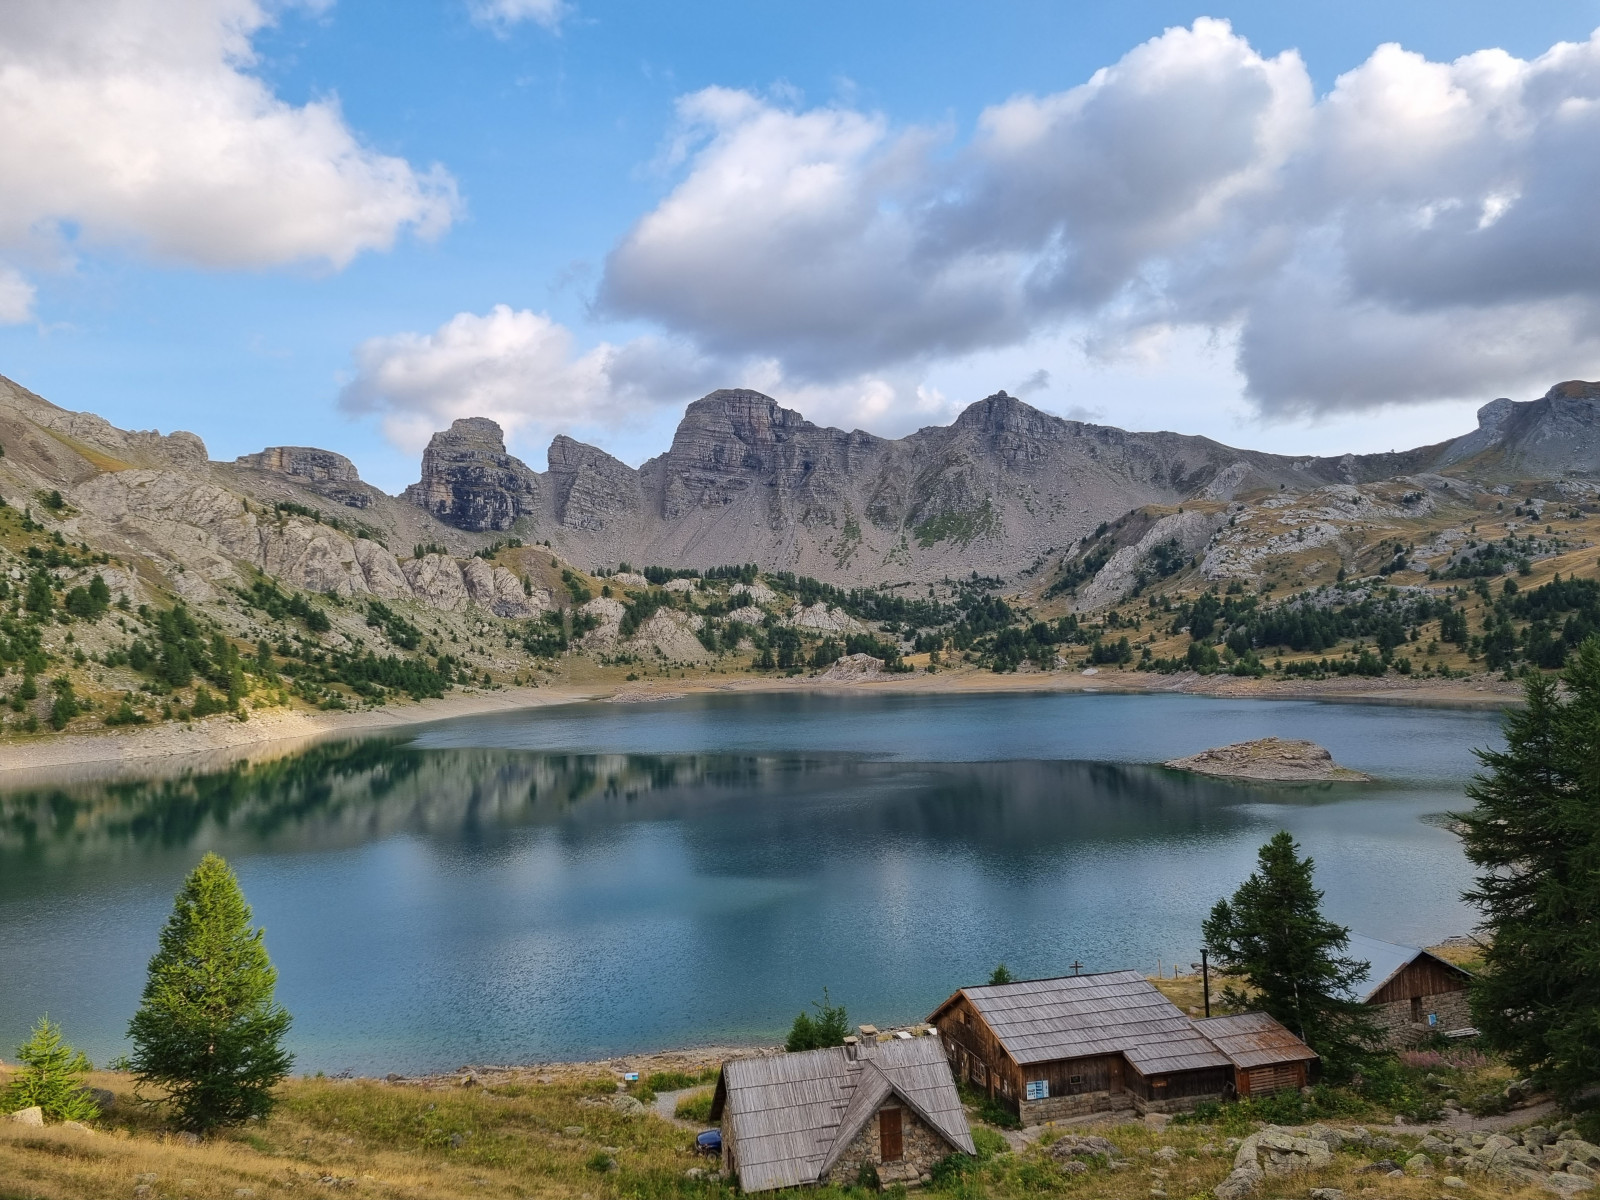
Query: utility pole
[{"x": 1205, "y": 978}]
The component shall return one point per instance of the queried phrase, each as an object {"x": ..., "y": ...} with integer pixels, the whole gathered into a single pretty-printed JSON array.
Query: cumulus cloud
[
  {"x": 16, "y": 297},
  {"x": 501, "y": 15},
  {"x": 138, "y": 123},
  {"x": 1425, "y": 230},
  {"x": 519, "y": 368}
]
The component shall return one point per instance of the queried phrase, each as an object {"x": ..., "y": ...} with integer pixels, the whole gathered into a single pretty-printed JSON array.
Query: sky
[{"x": 1311, "y": 228}]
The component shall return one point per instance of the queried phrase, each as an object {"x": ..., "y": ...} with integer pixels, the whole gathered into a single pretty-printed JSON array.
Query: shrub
[
  {"x": 51, "y": 1077},
  {"x": 696, "y": 1107}
]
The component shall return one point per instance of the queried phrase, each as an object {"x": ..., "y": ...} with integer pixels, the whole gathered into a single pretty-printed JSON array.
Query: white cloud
[
  {"x": 138, "y": 123},
  {"x": 501, "y": 15},
  {"x": 519, "y": 368},
  {"x": 1425, "y": 231},
  {"x": 16, "y": 297}
]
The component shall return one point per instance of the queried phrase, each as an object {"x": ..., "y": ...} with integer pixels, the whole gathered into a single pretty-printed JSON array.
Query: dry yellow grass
[{"x": 448, "y": 1142}]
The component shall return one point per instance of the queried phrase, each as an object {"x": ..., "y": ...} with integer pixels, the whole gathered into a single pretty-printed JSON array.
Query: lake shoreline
[{"x": 220, "y": 740}]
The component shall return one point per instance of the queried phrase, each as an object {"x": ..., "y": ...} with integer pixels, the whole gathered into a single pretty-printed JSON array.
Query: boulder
[
  {"x": 1240, "y": 1183},
  {"x": 1568, "y": 1185},
  {"x": 1079, "y": 1146},
  {"x": 27, "y": 1116}
]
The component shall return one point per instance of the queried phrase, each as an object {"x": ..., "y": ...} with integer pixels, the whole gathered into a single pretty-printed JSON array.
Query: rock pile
[{"x": 1553, "y": 1158}]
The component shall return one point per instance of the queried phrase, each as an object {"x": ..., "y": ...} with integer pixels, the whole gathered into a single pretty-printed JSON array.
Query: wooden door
[{"x": 890, "y": 1140}]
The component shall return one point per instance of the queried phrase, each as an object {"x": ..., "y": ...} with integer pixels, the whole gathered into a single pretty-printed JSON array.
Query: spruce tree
[
  {"x": 51, "y": 1077},
  {"x": 1535, "y": 833},
  {"x": 1272, "y": 938},
  {"x": 208, "y": 1030}
]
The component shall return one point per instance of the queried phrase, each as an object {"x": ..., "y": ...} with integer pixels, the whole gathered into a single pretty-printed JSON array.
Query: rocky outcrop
[
  {"x": 822, "y": 618},
  {"x": 855, "y": 667},
  {"x": 322, "y": 471},
  {"x": 1285, "y": 760},
  {"x": 469, "y": 481},
  {"x": 1555, "y": 436},
  {"x": 319, "y": 466},
  {"x": 1177, "y": 537}
]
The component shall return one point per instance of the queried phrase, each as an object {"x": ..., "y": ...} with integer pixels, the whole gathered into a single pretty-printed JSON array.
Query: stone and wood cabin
[
  {"x": 820, "y": 1116},
  {"x": 1055, "y": 1048},
  {"x": 1411, "y": 993}
]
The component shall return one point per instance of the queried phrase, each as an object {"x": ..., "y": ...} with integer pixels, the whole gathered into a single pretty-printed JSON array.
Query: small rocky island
[{"x": 1285, "y": 760}]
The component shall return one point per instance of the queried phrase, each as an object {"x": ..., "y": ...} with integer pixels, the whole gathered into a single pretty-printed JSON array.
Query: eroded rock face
[
  {"x": 590, "y": 489},
  {"x": 437, "y": 581},
  {"x": 497, "y": 590},
  {"x": 469, "y": 481}
]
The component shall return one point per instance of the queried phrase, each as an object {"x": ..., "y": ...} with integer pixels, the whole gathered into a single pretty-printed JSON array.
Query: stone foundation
[{"x": 1059, "y": 1108}]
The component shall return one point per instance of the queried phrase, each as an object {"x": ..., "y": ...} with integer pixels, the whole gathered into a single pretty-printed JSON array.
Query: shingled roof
[
  {"x": 792, "y": 1115},
  {"x": 1254, "y": 1040},
  {"x": 1117, "y": 1012}
]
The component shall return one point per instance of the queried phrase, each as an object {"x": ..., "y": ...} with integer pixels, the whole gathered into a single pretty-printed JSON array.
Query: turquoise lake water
[{"x": 595, "y": 879}]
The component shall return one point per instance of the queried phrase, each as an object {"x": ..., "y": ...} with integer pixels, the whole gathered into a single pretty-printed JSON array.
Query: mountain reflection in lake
[{"x": 428, "y": 907}]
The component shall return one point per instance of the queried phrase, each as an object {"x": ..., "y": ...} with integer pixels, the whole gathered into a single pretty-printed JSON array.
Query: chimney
[{"x": 852, "y": 1046}]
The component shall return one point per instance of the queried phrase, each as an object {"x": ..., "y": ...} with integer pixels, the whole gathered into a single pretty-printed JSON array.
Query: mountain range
[{"x": 1001, "y": 490}]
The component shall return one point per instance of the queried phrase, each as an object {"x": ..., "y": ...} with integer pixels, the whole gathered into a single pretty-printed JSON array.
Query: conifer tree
[
  {"x": 208, "y": 1030},
  {"x": 51, "y": 1077},
  {"x": 1535, "y": 833},
  {"x": 1272, "y": 937}
]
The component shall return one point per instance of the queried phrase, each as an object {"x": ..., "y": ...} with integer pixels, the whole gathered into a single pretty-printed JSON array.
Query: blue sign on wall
[{"x": 1038, "y": 1089}]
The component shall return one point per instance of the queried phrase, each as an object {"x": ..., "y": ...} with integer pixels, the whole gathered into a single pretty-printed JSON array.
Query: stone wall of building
[
  {"x": 1059, "y": 1108},
  {"x": 1175, "y": 1104},
  {"x": 1396, "y": 1019},
  {"x": 922, "y": 1146}
]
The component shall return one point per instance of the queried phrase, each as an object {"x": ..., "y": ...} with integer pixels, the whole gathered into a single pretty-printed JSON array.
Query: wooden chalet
[
  {"x": 1055, "y": 1048},
  {"x": 1410, "y": 992},
  {"x": 821, "y": 1116}
]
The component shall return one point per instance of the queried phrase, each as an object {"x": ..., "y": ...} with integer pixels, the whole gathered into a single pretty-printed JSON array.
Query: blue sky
[{"x": 623, "y": 178}]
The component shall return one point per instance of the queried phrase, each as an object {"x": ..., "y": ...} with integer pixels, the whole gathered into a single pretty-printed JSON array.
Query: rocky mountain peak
[
  {"x": 476, "y": 433},
  {"x": 469, "y": 481},
  {"x": 742, "y": 415}
]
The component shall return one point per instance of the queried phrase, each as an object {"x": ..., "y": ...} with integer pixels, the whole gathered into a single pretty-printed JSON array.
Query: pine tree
[
  {"x": 1000, "y": 975},
  {"x": 827, "y": 1028},
  {"x": 1535, "y": 832},
  {"x": 208, "y": 1030},
  {"x": 51, "y": 1077},
  {"x": 1272, "y": 937}
]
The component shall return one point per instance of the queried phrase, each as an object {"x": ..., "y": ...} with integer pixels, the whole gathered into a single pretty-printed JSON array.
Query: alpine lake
[{"x": 590, "y": 880}]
